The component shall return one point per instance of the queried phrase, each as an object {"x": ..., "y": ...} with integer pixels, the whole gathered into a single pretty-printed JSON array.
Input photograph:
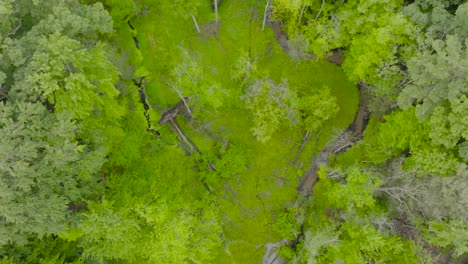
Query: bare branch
[{"x": 13, "y": 32}]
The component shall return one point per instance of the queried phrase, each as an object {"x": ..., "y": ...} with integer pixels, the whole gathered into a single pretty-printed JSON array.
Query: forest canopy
[{"x": 196, "y": 131}]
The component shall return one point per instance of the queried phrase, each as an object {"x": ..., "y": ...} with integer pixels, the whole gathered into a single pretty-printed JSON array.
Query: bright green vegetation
[{"x": 89, "y": 173}]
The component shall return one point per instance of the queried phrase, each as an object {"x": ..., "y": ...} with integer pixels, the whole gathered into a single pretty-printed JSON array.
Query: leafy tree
[
  {"x": 44, "y": 169},
  {"x": 343, "y": 226},
  {"x": 314, "y": 244},
  {"x": 59, "y": 112},
  {"x": 151, "y": 218},
  {"x": 447, "y": 203},
  {"x": 356, "y": 194},
  {"x": 271, "y": 104},
  {"x": 431, "y": 85},
  {"x": 363, "y": 243},
  {"x": 47, "y": 250},
  {"x": 434, "y": 160},
  {"x": 373, "y": 33},
  {"x": 453, "y": 234},
  {"x": 438, "y": 80},
  {"x": 402, "y": 132},
  {"x": 191, "y": 79},
  {"x": 317, "y": 109},
  {"x": 436, "y": 20},
  {"x": 226, "y": 162}
]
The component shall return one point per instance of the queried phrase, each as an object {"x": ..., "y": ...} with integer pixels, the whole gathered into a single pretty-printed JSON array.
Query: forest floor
[{"x": 253, "y": 202}]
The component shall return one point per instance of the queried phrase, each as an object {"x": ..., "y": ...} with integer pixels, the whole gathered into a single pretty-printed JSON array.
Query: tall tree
[
  {"x": 438, "y": 75},
  {"x": 271, "y": 104},
  {"x": 372, "y": 33},
  {"x": 59, "y": 112}
]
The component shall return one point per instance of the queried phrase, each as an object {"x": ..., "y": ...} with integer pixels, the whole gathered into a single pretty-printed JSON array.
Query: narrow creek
[{"x": 344, "y": 141}]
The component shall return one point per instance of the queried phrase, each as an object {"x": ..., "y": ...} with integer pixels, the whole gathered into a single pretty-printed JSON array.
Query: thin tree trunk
[
  {"x": 195, "y": 22},
  {"x": 302, "y": 13},
  {"x": 265, "y": 14},
  {"x": 320, "y": 11},
  {"x": 216, "y": 10}
]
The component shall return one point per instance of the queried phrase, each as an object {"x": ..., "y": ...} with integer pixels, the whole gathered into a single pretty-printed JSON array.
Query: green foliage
[
  {"x": 160, "y": 223},
  {"x": 72, "y": 78},
  {"x": 60, "y": 62},
  {"x": 356, "y": 194},
  {"x": 271, "y": 104},
  {"x": 60, "y": 116},
  {"x": 363, "y": 243},
  {"x": 150, "y": 233},
  {"x": 450, "y": 125},
  {"x": 43, "y": 168},
  {"x": 431, "y": 86},
  {"x": 314, "y": 244},
  {"x": 344, "y": 226},
  {"x": 448, "y": 202},
  {"x": 452, "y": 234},
  {"x": 121, "y": 11},
  {"x": 463, "y": 150},
  {"x": 400, "y": 132},
  {"x": 373, "y": 33},
  {"x": 438, "y": 80},
  {"x": 6, "y": 20},
  {"x": 48, "y": 250},
  {"x": 286, "y": 224},
  {"x": 434, "y": 160},
  {"x": 72, "y": 120},
  {"x": 191, "y": 79},
  {"x": 436, "y": 21},
  {"x": 227, "y": 161},
  {"x": 317, "y": 109}
]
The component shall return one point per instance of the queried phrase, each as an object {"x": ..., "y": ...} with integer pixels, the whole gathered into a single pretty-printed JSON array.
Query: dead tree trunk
[{"x": 195, "y": 23}]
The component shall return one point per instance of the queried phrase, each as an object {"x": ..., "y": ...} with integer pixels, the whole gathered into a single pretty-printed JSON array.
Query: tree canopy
[{"x": 228, "y": 131}]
